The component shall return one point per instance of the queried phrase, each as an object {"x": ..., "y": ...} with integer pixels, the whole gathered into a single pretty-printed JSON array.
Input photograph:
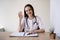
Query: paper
[
  {"x": 22, "y": 34},
  {"x": 31, "y": 34},
  {"x": 17, "y": 34}
]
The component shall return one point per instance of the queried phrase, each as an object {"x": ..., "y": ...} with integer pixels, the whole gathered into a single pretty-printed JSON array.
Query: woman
[{"x": 30, "y": 23}]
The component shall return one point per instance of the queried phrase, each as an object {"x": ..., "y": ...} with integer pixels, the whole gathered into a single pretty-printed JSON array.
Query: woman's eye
[{"x": 26, "y": 11}]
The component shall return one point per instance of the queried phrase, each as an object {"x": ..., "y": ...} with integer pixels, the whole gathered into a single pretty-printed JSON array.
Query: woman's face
[{"x": 28, "y": 11}]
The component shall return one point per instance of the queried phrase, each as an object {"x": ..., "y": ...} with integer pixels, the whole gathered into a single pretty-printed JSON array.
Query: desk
[{"x": 42, "y": 36}]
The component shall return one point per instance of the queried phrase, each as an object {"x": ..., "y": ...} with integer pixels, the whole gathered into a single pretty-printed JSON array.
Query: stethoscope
[{"x": 35, "y": 22}]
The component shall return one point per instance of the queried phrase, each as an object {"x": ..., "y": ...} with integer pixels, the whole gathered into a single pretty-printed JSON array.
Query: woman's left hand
[{"x": 31, "y": 32}]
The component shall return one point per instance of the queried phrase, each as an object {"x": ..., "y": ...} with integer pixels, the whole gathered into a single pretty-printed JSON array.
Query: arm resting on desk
[{"x": 39, "y": 31}]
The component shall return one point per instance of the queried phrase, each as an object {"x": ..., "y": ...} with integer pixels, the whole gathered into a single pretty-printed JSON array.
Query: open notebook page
[
  {"x": 17, "y": 34},
  {"x": 35, "y": 34},
  {"x": 22, "y": 34}
]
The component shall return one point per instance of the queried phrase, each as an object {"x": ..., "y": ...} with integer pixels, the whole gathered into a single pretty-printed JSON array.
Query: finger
[{"x": 29, "y": 33}]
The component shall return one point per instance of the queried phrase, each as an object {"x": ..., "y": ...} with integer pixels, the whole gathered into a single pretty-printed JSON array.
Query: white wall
[
  {"x": 9, "y": 12},
  {"x": 55, "y": 14}
]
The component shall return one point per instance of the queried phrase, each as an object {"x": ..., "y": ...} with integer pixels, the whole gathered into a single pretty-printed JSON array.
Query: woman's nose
[{"x": 29, "y": 12}]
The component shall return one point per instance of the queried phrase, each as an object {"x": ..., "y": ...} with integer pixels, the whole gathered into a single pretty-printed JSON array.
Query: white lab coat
[{"x": 31, "y": 24}]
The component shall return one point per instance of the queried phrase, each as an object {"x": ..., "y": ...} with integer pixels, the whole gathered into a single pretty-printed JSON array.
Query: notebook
[{"x": 22, "y": 34}]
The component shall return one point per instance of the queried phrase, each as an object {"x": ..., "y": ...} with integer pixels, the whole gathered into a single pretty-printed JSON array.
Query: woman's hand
[
  {"x": 31, "y": 32},
  {"x": 20, "y": 15},
  {"x": 20, "y": 18},
  {"x": 36, "y": 31}
]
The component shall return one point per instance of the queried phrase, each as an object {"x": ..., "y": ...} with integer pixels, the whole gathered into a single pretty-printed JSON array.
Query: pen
[{"x": 24, "y": 33}]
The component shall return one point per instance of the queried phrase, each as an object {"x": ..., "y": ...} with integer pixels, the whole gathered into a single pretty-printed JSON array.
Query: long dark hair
[{"x": 28, "y": 5}]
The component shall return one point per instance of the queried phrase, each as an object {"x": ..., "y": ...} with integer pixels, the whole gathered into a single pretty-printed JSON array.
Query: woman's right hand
[{"x": 20, "y": 15}]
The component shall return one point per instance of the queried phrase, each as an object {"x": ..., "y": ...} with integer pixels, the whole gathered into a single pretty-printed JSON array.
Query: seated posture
[{"x": 29, "y": 22}]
